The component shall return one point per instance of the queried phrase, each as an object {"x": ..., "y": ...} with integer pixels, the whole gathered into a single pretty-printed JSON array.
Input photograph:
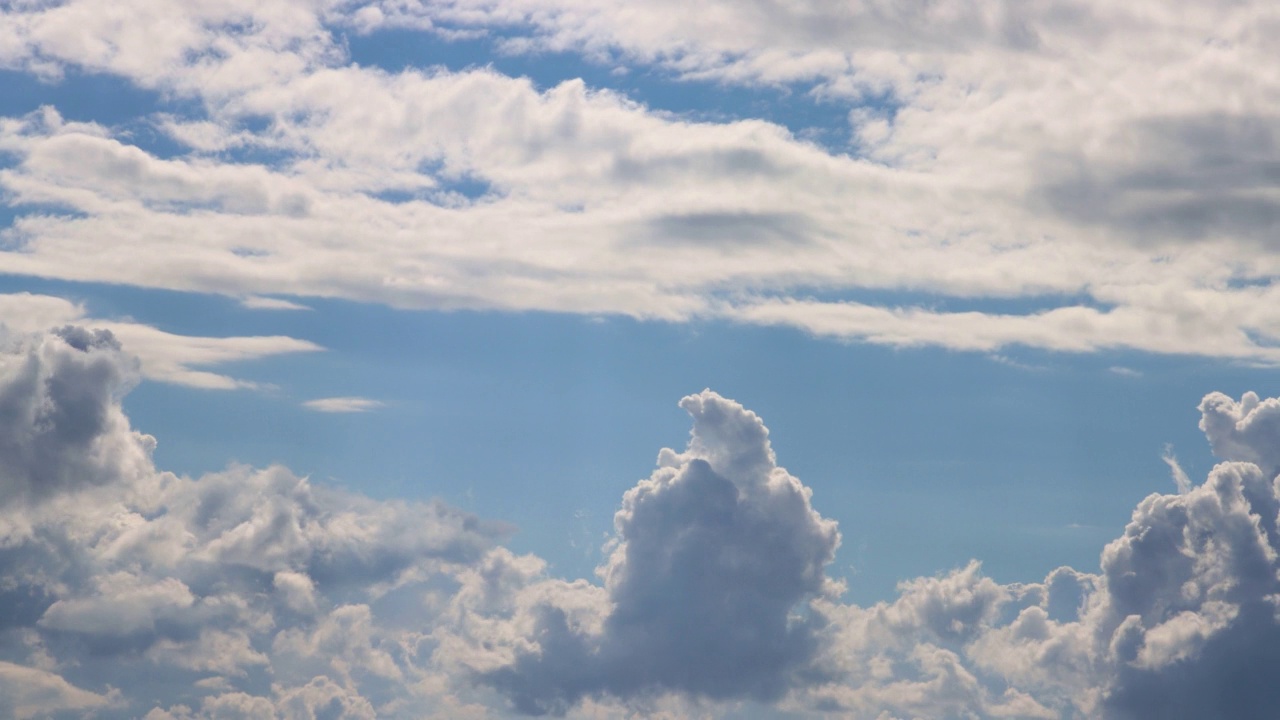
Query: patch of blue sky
[
  {"x": 261, "y": 150},
  {"x": 469, "y": 186},
  {"x": 10, "y": 212},
  {"x": 1261, "y": 339},
  {"x": 108, "y": 100},
  {"x": 82, "y": 97},
  {"x": 1241, "y": 283},
  {"x": 131, "y": 113},
  {"x": 823, "y": 121},
  {"x": 448, "y": 190},
  {"x": 924, "y": 456}
]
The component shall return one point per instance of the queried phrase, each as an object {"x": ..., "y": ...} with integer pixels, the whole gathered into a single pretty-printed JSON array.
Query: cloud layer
[
  {"x": 1108, "y": 169},
  {"x": 132, "y": 592}
]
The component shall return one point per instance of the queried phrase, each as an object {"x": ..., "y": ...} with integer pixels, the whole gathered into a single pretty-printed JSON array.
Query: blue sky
[{"x": 409, "y": 294}]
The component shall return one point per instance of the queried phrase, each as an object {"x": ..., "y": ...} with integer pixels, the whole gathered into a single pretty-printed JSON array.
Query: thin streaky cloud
[
  {"x": 258, "y": 302},
  {"x": 346, "y": 404}
]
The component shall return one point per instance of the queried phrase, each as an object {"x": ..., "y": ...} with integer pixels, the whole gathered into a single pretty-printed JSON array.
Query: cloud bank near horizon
[
  {"x": 254, "y": 593},
  {"x": 1102, "y": 174}
]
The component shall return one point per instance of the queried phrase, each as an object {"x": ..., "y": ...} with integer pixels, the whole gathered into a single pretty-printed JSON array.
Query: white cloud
[
  {"x": 1009, "y": 151},
  {"x": 1180, "y": 478},
  {"x": 1246, "y": 430},
  {"x": 174, "y": 358},
  {"x": 24, "y": 312},
  {"x": 1068, "y": 329},
  {"x": 342, "y": 405}
]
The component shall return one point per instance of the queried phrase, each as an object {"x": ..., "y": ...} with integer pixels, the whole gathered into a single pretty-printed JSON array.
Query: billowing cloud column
[
  {"x": 713, "y": 556},
  {"x": 63, "y": 429}
]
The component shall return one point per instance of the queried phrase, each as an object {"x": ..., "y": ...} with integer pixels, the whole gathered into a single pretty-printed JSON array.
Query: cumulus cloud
[
  {"x": 1179, "y": 621},
  {"x": 1246, "y": 430},
  {"x": 712, "y": 556},
  {"x": 125, "y": 583},
  {"x": 63, "y": 426},
  {"x": 131, "y": 592}
]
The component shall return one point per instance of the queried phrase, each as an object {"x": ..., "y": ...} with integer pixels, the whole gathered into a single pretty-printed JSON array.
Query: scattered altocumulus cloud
[
  {"x": 1108, "y": 164},
  {"x": 343, "y": 405},
  {"x": 133, "y": 592}
]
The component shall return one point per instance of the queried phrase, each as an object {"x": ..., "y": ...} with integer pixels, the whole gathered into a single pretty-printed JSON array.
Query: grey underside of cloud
[
  {"x": 131, "y": 591},
  {"x": 992, "y": 150},
  {"x": 1181, "y": 178}
]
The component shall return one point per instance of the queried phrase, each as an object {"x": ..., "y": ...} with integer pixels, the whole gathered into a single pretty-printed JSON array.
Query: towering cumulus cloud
[
  {"x": 63, "y": 429},
  {"x": 130, "y": 592},
  {"x": 712, "y": 555}
]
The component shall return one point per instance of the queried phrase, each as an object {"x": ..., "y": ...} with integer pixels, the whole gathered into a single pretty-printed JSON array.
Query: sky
[{"x": 754, "y": 359}]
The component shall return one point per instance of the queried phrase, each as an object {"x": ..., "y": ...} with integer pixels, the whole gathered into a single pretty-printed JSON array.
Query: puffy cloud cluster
[
  {"x": 1110, "y": 165},
  {"x": 132, "y": 592},
  {"x": 1180, "y": 622}
]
